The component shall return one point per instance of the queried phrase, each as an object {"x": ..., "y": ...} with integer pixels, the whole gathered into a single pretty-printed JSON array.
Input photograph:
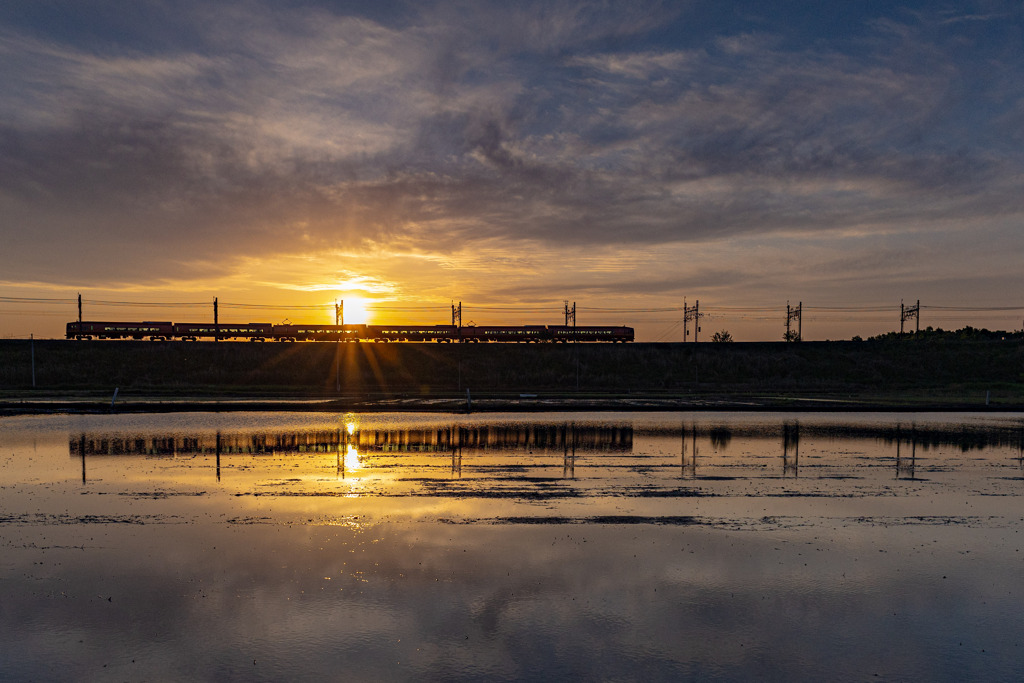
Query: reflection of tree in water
[
  {"x": 966, "y": 437},
  {"x": 720, "y": 437}
]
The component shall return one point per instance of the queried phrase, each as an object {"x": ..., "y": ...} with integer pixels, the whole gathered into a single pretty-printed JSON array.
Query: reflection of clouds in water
[
  {"x": 634, "y": 573},
  {"x": 432, "y": 600}
]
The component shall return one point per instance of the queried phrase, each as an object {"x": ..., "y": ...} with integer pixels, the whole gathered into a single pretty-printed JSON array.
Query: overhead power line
[
  {"x": 34, "y": 300},
  {"x": 273, "y": 307},
  {"x": 979, "y": 309},
  {"x": 631, "y": 310}
]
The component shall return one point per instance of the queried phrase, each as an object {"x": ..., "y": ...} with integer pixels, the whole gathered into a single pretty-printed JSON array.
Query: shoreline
[{"x": 11, "y": 406}]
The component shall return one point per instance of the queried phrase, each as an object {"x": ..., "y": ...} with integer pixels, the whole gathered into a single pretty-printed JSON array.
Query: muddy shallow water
[{"x": 268, "y": 546}]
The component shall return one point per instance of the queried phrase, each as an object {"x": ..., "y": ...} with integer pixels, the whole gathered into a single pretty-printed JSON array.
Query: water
[{"x": 267, "y": 546}]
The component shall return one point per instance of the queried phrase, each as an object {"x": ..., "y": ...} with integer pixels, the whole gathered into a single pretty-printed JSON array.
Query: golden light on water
[{"x": 352, "y": 461}]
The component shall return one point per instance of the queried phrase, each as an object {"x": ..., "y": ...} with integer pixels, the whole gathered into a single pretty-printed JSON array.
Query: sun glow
[{"x": 355, "y": 310}]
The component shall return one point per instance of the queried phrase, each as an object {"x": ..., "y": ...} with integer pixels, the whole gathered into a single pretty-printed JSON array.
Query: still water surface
[{"x": 269, "y": 546}]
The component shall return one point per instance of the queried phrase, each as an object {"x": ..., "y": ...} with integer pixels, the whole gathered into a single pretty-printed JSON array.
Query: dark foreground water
[{"x": 598, "y": 546}]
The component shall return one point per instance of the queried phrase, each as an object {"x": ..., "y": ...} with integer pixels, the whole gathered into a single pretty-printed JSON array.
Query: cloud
[{"x": 461, "y": 126}]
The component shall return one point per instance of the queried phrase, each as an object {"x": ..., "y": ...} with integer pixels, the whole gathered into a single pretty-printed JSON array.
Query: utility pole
[
  {"x": 339, "y": 320},
  {"x": 908, "y": 312},
  {"x": 575, "y": 342},
  {"x": 216, "y": 324},
  {"x": 791, "y": 315},
  {"x": 686, "y": 319},
  {"x": 457, "y": 314},
  {"x": 570, "y": 313},
  {"x": 694, "y": 315},
  {"x": 79, "y": 312}
]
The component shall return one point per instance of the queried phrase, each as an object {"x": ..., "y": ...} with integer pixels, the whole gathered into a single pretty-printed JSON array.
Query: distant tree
[
  {"x": 722, "y": 336},
  {"x": 857, "y": 337},
  {"x": 791, "y": 336},
  {"x": 967, "y": 333}
]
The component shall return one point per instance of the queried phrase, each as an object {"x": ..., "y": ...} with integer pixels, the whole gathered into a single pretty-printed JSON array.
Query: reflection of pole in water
[
  {"x": 904, "y": 466},
  {"x": 81, "y": 450},
  {"x": 1020, "y": 452},
  {"x": 689, "y": 462},
  {"x": 569, "y": 458},
  {"x": 791, "y": 449},
  {"x": 342, "y": 446},
  {"x": 218, "y": 455},
  {"x": 456, "y": 445}
]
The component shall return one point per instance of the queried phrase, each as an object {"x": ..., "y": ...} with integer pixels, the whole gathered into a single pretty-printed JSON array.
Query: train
[{"x": 261, "y": 332}]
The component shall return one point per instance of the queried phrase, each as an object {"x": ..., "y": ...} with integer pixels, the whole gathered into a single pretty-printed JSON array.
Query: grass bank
[{"x": 889, "y": 372}]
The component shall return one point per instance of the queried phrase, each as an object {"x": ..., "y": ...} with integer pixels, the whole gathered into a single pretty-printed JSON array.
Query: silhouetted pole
[
  {"x": 694, "y": 315},
  {"x": 686, "y": 319},
  {"x": 32, "y": 347},
  {"x": 908, "y": 312},
  {"x": 791, "y": 315},
  {"x": 570, "y": 313},
  {"x": 79, "y": 313},
  {"x": 216, "y": 324},
  {"x": 339, "y": 319}
]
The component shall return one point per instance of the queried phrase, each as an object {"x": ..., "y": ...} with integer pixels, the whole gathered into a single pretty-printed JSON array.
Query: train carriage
[
  {"x": 504, "y": 333},
  {"x": 413, "y": 333},
  {"x": 590, "y": 333},
  {"x": 119, "y": 330},
  {"x": 250, "y": 331},
  {"x": 335, "y": 333},
  {"x": 323, "y": 333}
]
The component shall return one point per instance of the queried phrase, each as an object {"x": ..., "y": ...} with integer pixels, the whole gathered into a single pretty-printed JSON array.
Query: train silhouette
[{"x": 259, "y": 332}]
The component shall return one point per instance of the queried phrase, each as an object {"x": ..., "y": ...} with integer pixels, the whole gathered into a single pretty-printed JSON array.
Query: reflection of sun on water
[
  {"x": 352, "y": 461},
  {"x": 351, "y": 452}
]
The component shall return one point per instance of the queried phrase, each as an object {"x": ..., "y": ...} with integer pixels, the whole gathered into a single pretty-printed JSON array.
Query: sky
[{"x": 623, "y": 156}]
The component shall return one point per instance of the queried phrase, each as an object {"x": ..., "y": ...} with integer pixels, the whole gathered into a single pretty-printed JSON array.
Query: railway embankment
[{"x": 228, "y": 375}]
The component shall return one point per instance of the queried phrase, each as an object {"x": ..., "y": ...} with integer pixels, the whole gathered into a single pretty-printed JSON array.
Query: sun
[{"x": 355, "y": 310}]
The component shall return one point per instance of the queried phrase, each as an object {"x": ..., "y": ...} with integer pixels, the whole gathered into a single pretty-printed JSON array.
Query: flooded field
[{"x": 618, "y": 546}]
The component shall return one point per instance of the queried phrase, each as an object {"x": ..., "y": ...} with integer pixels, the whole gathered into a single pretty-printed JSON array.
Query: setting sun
[{"x": 355, "y": 310}]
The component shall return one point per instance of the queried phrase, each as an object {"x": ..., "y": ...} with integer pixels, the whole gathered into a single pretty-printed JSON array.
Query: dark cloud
[{"x": 272, "y": 130}]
